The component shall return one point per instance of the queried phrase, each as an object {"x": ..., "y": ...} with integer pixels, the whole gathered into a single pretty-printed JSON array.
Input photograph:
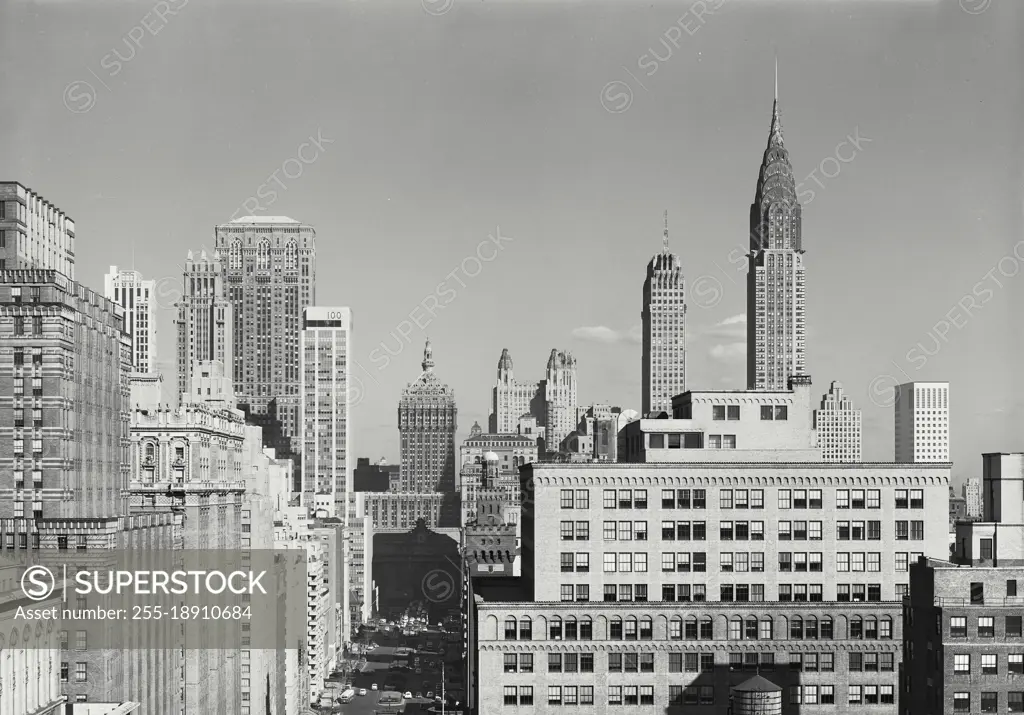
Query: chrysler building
[{"x": 775, "y": 281}]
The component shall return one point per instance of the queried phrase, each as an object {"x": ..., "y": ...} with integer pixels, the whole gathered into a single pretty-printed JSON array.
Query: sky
[{"x": 511, "y": 160}]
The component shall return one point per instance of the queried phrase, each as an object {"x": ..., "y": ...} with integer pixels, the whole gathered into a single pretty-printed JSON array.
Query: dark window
[{"x": 977, "y": 592}]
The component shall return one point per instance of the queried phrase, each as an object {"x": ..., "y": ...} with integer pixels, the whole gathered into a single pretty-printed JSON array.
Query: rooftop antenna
[
  {"x": 664, "y": 236},
  {"x": 776, "y": 78}
]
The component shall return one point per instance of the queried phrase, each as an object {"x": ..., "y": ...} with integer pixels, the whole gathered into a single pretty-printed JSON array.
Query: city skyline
[{"x": 901, "y": 105}]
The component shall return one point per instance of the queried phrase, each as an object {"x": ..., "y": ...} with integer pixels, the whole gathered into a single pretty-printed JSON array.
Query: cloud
[
  {"x": 606, "y": 335},
  {"x": 729, "y": 352},
  {"x": 732, "y": 328}
]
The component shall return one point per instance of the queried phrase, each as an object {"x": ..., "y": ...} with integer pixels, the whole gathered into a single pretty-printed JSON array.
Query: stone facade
[
  {"x": 552, "y": 401},
  {"x": 205, "y": 325},
  {"x": 838, "y": 427}
]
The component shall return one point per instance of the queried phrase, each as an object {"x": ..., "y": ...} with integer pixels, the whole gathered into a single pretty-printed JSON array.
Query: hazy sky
[{"x": 571, "y": 126}]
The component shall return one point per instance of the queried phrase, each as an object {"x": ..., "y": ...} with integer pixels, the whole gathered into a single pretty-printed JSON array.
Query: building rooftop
[{"x": 264, "y": 219}]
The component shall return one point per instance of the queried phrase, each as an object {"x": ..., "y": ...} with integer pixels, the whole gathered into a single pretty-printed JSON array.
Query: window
[
  {"x": 977, "y": 593},
  {"x": 986, "y": 549},
  {"x": 567, "y": 498},
  {"x": 990, "y": 702},
  {"x": 988, "y": 664},
  {"x": 917, "y": 530},
  {"x": 1015, "y": 663},
  {"x": 1015, "y": 702},
  {"x": 609, "y": 499},
  {"x": 725, "y": 499},
  {"x": 986, "y": 627},
  {"x": 842, "y": 499},
  {"x": 902, "y": 530},
  {"x": 80, "y": 673},
  {"x": 525, "y": 629},
  {"x": 718, "y": 412},
  {"x": 1011, "y": 588},
  {"x": 961, "y": 702},
  {"x": 767, "y": 412},
  {"x": 1013, "y": 626},
  {"x": 582, "y": 531},
  {"x": 566, "y": 528},
  {"x": 962, "y": 663},
  {"x": 958, "y": 627},
  {"x": 917, "y": 499},
  {"x": 734, "y": 412}
]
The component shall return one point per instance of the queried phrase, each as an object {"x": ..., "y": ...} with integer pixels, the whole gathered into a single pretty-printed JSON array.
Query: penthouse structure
[
  {"x": 963, "y": 639},
  {"x": 693, "y": 566},
  {"x": 34, "y": 233},
  {"x": 427, "y": 420}
]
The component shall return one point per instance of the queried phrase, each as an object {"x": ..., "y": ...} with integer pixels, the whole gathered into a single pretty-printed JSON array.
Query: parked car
[
  {"x": 373, "y": 687},
  {"x": 407, "y": 695},
  {"x": 362, "y": 691}
]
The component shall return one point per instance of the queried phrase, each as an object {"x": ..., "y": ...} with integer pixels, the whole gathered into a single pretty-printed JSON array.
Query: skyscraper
[
  {"x": 426, "y": 425},
  {"x": 552, "y": 401},
  {"x": 664, "y": 330},
  {"x": 270, "y": 279},
  {"x": 838, "y": 426},
  {"x": 971, "y": 491},
  {"x": 922, "y": 422},
  {"x": 34, "y": 233},
  {"x": 136, "y": 296},
  {"x": 205, "y": 327},
  {"x": 326, "y": 469},
  {"x": 775, "y": 281}
]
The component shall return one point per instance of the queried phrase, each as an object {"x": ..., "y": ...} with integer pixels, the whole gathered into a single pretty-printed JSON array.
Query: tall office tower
[
  {"x": 775, "y": 281},
  {"x": 552, "y": 401},
  {"x": 325, "y": 346},
  {"x": 137, "y": 297},
  {"x": 922, "y": 422},
  {"x": 559, "y": 399},
  {"x": 839, "y": 426},
  {"x": 426, "y": 424},
  {"x": 34, "y": 233},
  {"x": 971, "y": 491},
  {"x": 205, "y": 326},
  {"x": 664, "y": 330},
  {"x": 270, "y": 279}
]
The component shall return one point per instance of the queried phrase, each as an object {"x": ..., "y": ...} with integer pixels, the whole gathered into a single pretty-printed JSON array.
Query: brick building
[{"x": 964, "y": 642}]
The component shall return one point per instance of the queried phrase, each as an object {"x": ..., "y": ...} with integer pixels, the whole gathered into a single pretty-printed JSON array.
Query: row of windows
[
  {"x": 989, "y": 702},
  {"x": 787, "y": 593},
  {"x": 696, "y": 695},
  {"x": 989, "y": 663},
  {"x": 742, "y": 531},
  {"x": 742, "y": 499},
  {"x": 986, "y": 627},
  {"x": 692, "y": 628}
]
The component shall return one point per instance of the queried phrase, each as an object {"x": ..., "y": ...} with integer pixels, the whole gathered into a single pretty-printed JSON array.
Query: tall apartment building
[
  {"x": 358, "y": 556},
  {"x": 64, "y": 442},
  {"x": 205, "y": 325},
  {"x": 664, "y": 331},
  {"x": 696, "y": 566},
  {"x": 971, "y": 491},
  {"x": 34, "y": 233},
  {"x": 427, "y": 420},
  {"x": 270, "y": 278},
  {"x": 838, "y": 426},
  {"x": 776, "y": 316},
  {"x": 552, "y": 401},
  {"x": 922, "y": 422},
  {"x": 137, "y": 297},
  {"x": 963, "y": 639},
  {"x": 326, "y": 435}
]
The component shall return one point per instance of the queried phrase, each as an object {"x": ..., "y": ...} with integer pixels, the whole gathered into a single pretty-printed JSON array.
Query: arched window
[
  {"x": 826, "y": 629},
  {"x": 263, "y": 255},
  {"x": 525, "y": 629},
  {"x": 291, "y": 256},
  {"x": 675, "y": 628},
  {"x": 736, "y": 628},
  {"x": 615, "y": 629},
  {"x": 871, "y": 628},
  {"x": 630, "y": 630},
  {"x": 751, "y": 629},
  {"x": 692, "y": 630},
  {"x": 586, "y": 628},
  {"x": 555, "y": 629},
  {"x": 646, "y": 628},
  {"x": 885, "y": 628},
  {"x": 510, "y": 628},
  {"x": 856, "y": 627},
  {"x": 571, "y": 631},
  {"x": 767, "y": 629},
  {"x": 796, "y": 628},
  {"x": 235, "y": 255},
  {"x": 707, "y": 629},
  {"x": 150, "y": 453},
  {"x": 811, "y": 628}
]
